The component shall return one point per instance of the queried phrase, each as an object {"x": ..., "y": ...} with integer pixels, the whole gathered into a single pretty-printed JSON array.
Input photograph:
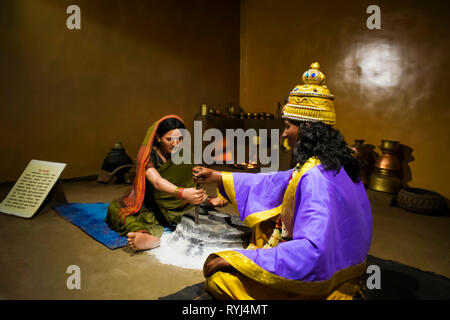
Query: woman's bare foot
[{"x": 142, "y": 241}]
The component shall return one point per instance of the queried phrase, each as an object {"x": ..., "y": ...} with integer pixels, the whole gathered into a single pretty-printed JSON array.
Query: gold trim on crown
[{"x": 311, "y": 101}]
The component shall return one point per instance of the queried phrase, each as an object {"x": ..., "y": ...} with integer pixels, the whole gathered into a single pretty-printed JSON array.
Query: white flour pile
[{"x": 180, "y": 252}]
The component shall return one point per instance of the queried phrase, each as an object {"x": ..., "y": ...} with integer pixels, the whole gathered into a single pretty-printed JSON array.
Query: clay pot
[
  {"x": 116, "y": 157},
  {"x": 116, "y": 164}
]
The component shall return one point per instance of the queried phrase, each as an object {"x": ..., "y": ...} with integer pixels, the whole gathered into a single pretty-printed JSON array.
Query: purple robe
[{"x": 331, "y": 228}]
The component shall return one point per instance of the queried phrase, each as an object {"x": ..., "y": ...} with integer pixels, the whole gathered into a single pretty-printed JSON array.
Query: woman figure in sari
[
  {"x": 162, "y": 191},
  {"x": 312, "y": 225}
]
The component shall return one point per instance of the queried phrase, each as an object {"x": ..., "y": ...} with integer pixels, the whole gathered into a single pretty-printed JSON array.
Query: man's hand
[
  {"x": 216, "y": 264},
  {"x": 205, "y": 175}
]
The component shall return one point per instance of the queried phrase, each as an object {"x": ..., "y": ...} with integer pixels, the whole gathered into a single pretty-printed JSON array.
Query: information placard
[{"x": 32, "y": 187}]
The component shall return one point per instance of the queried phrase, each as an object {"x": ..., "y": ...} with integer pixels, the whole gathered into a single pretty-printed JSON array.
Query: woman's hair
[
  {"x": 328, "y": 145},
  {"x": 169, "y": 124}
]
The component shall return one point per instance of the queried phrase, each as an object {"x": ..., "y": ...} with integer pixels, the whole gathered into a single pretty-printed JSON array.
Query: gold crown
[{"x": 311, "y": 101}]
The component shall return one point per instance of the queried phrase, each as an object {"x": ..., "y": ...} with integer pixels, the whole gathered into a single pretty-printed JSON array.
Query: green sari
[{"x": 156, "y": 210}]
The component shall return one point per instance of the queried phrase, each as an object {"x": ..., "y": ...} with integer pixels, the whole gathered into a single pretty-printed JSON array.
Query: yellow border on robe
[
  {"x": 288, "y": 205},
  {"x": 228, "y": 184},
  {"x": 220, "y": 195},
  {"x": 250, "y": 269},
  {"x": 257, "y": 217},
  {"x": 288, "y": 198},
  {"x": 254, "y": 218}
]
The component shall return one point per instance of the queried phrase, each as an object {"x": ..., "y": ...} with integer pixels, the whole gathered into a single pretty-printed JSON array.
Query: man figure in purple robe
[{"x": 312, "y": 225}]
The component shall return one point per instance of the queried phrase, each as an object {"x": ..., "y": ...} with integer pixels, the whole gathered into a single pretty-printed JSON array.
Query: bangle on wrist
[{"x": 179, "y": 193}]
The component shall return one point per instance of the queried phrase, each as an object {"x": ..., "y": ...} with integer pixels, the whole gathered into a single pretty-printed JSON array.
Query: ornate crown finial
[{"x": 314, "y": 75}]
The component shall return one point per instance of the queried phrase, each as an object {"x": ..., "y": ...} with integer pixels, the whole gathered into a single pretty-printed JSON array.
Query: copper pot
[
  {"x": 387, "y": 167},
  {"x": 388, "y": 160}
]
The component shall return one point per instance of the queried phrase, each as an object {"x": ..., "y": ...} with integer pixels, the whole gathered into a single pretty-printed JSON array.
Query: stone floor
[{"x": 36, "y": 252}]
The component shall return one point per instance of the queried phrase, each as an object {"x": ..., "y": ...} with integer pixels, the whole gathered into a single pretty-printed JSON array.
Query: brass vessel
[
  {"x": 232, "y": 110},
  {"x": 389, "y": 145},
  {"x": 385, "y": 181},
  {"x": 385, "y": 177},
  {"x": 204, "y": 111}
]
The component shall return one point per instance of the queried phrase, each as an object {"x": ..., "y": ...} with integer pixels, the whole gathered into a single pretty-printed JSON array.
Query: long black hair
[
  {"x": 328, "y": 145},
  {"x": 169, "y": 124}
]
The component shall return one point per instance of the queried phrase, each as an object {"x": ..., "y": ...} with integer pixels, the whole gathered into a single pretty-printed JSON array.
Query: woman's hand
[
  {"x": 194, "y": 196},
  {"x": 205, "y": 175},
  {"x": 216, "y": 264}
]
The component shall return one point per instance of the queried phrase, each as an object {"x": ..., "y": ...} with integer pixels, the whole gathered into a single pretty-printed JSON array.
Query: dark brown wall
[
  {"x": 389, "y": 84},
  {"x": 66, "y": 96}
]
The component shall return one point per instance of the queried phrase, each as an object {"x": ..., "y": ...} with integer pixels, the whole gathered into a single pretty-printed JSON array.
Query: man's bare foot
[
  {"x": 218, "y": 202},
  {"x": 142, "y": 241}
]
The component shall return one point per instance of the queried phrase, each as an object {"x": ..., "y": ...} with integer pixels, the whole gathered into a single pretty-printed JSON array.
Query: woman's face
[
  {"x": 290, "y": 133},
  {"x": 170, "y": 140}
]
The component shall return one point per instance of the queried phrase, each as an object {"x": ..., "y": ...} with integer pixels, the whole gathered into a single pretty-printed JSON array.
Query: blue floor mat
[{"x": 90, "y": 217}]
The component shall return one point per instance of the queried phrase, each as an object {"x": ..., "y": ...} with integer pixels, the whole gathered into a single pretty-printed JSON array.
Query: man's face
[{"x": 290, "y": 133}]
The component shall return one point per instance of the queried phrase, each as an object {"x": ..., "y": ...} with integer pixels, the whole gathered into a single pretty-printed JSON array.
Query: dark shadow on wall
[
  {"x": 368, "y": 158},
  {"x": 405, "y": 157}
]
